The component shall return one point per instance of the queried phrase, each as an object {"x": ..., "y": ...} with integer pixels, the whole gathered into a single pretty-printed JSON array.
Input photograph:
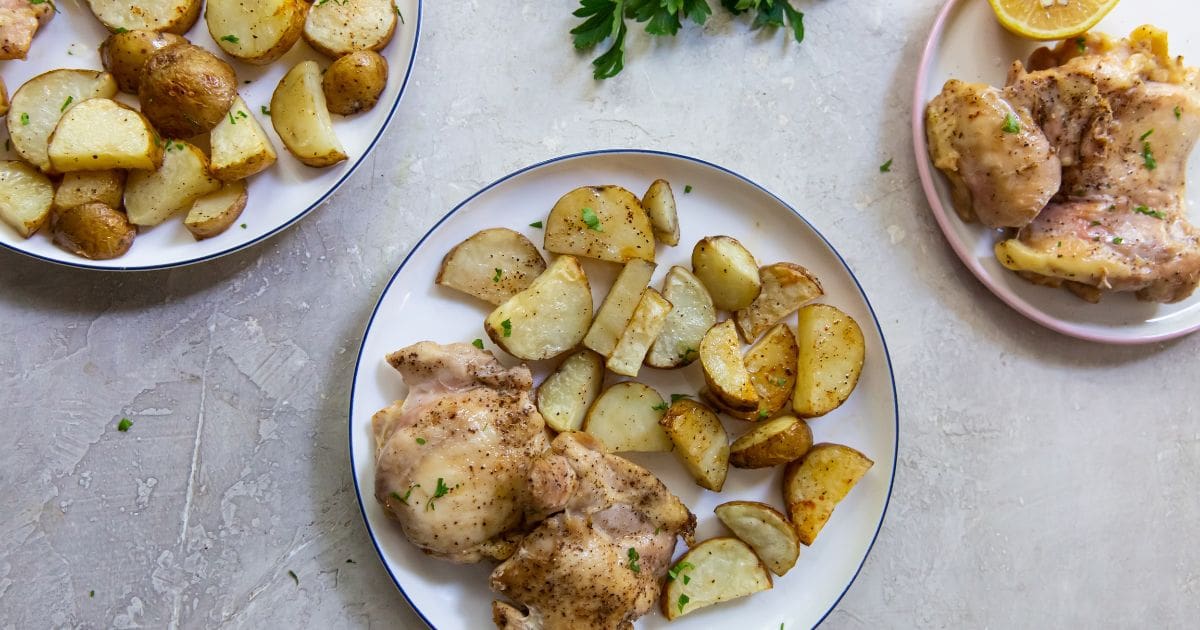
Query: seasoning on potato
[
  {"x": 186, "y": 90},
  {"x": 353, "y": 83}
]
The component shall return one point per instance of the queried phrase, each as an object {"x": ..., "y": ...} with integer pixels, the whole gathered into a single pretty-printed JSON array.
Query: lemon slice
[{"x": 1051, "y": 19}]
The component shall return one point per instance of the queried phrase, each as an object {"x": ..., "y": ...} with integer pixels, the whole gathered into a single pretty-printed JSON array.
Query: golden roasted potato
[
  {"x": 217, "y": 211},
  {"x": 814, "y": 485},
  {"x": 772, "y": 443},
  {"x": 547, "y": 319},
  {"x": 659, "y": 203},
  {"x": 26, "y": 197},
  {"x": 101, "y": 134},
  {"x": 625, "y": 418},
  {"x": 80, "y": 187},
  {"x": 832, "y": 350},
  {"x": 186, "y": 90},
  {"x": 171, "y": 16},
  {"x": 785, "y": 288},
  {"x": 644, "y": 327},
  {"x": 301, "y": 117},
  {"x": 617, "y": 309},
  {"x": 716, "y": 403},
  {"x": 124, "y": 55},
  {"x": 93, "y": 230},
  {"x": 601, "y": 222},
  {"x": 692, "y": 316},
  {"x": 565, "y": 396},
  {"x": 492, "y": 265},
  {"x": 152, "y": 196},
  {"x": 337, "y": 28},
  {"x": 240, "y": 147},
  {"x": 716, "y": 570},
  {"x": 766, "y": 531},
  {"x": 353, "y": 83},
  {"x": 772, "y": 366},
  {"x": 3, "y": 98},
  {"x": 256, "y": 32},
  {"x": 724, "y": 371},
  {"x": 40, "y": 103},
  {"x": 700, "y": 441},
  {"x": 728, "y": 271}
]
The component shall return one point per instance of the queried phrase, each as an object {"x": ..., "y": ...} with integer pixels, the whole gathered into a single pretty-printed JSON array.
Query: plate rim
[
  {"x": 961, "y": 248},
  {"x": 85, "y": 264},
  {"x": 610, "y": 152}
]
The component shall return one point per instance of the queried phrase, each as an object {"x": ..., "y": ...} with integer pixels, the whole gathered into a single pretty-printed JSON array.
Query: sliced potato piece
[
  {"x": 772, "y": 443},
  {"x": 814, "y": 485},
  {"x": 767, "y": 532},
  {"x": 240, "y": 146},
  {"x": 492, "y": 265},
  {"x": 716, "y": 570},
  {"x": 832, "y": 351},
  {"x": 700, "y": 442},
  {"x": 152, "y": 196},
  {"x": 217, "y": 211},
  {"x": 659, "y": 202},
  {"x": 601, "y": 222},
  {"x": 785, "y": 288},
  {"x": 26, "y": 197},
  {"x": 80, "y": 187},
  {"x": 625, "y": 418},
  {"x": 772, "y": 366},
  {"x": 724, "y": 371},
  {"x": 171, "y": 16},
  {"x": 728, "y": 271},
  {"x": 92, "y": 230},
  {"x": 617, "y": 309},
  {"x": 256, "y": 32},
  {"x": 301, "y": 118},
  {"x": 567, "y": 394},
  {"x": 716, "y": 403},
  {"x": 100, "y": 134},
  {"x": 693, "y": 314},
  {"x": 547, "y": 319},
  {"x": 644, "y": 327},
  {"x": 340, "y": 28},
  {"x": 40, "y": 103}
]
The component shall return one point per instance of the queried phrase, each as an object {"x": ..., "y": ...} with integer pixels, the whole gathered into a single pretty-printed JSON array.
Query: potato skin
[
  {"x": 93, "y": 231},
  {"x": 124, "y": 55},
  {"x": 353, "y": 83},
  {"x": 186, "y": 90}
]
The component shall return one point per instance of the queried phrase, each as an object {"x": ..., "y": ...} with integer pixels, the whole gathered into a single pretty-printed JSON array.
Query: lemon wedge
[{"x": 1051, "y": 19}]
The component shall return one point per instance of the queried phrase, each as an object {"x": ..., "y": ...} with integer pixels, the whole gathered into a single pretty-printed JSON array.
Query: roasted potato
[
  {"x": 772, "y": 366},
  {"x": 724, "y": 371},
  {"x": 728, "y": 271},
  {"x": 716, "y": 570},
  {"x": 240, "y": 147},
  {"x": 101, "y": 134},
  {"x": 644, "y": 327},
  {"x": 217, "y": 211},
  {"x": 785, "y": 288},
  {"x": 492, "y": 265},
  {"x": 832, "y": 350},
  {"x": 692, "y": 316},
  {"x": 565, "y": 396},
  {"x": 93, "y": 230},
  {"x": 256, "y": 32},
  {"x": 152, "y": 196},
  {"x": 3, "y": 98},
  {"x": 340, "y": 28},
  {"x": 766, "y": 531},
  {"x": 700, "y": 442},
  {"x": 601, "y": 222},
  {"x": 773, "y": 443},
  {"x": 80, "y": 187},
  {"x": 26, "y": 197},
  {"x": 547, "y": 319},
  {"x": 353, "y": 83},
  {"x": 124, "y": 55},
  {"x": 716, "y": 403},
  {"x": 186, "y": 90},
  {"x": 171, "y": 16},
  {"x": 617, "y": 309},
  {"x": 659, "y": 203},
  {"x": 814, "y": 485},
  {"x": 301, "y": 117},
  {"x": 40, "y": 103},
  {"x": 625, "y": 418}
]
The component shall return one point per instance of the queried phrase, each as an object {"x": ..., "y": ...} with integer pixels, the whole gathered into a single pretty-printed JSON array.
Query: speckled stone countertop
[{"x": 1042, "y": 482}]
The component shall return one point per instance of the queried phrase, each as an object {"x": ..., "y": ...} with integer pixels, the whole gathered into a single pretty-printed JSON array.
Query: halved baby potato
[
  {"x": 301, "y": 117},
  {"x": 26, "y": 197},
  {"x": 125, "y": 54},
  {"x": 171, "y": 16},
  {"x": 152, "y": 196},
  {"x": 644, "y": 327},
  {"x": 715, "y": 571},
  {"x": 547, "y": 319},
  {"x": 728, "y": 271},
  {"x": 772, "y": 366},
  {"x": 340, "y": 27},
  {"x": 41, "y": 102},
  {"x": 256, "y": 32},
  {"x": 492, "y": 265},
  {"x": 814, "y": 485},
  {"x": 785, "y": 288},
  {"x": 217, "y": 211},
  {"x": 601, "y": 222},
  {"x": 692, "y": 316},
  {"x": 700, "y": 442},
  {"x": 240, "y": 146},
  {"x": 80, "y": 187},
  {"x": 772, "y": 443},
  {"x": 659, "y": 202},
  {"x": 625, "y": 418},
  {"x": 617, "y": 309},
  {"x": 100, "y": 134},
  {"x": 92, "y": 230},
  {"x": 565, "y": 396},
  {"x": 767, "y": 532},
  {"x": 832, "y": 350},
  {"x": 724, "y": 371}
]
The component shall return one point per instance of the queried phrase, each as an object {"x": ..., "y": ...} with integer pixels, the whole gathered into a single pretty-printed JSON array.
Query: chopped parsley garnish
[
  {"x": 1178, "y": 113},
  {"x": 662, "y": 406},
  {"x": 478, "y": 343},
  {"x": 1146, "y": 135},
  {"x": 440, "y": 491},
  {"x": 683, "y": 600},
  {"x": 687, "y": 353},
  {"x": 1011, "y": 124},
  {"x": 1117, "y": 240},
  {"x": 52, "y": 5},
  {"x": 678, "y": 397},
  {"x": 232, "y": 39},
  {"x": 687, "y": 189},
  {"x": 66, "y": 104},
  {"x": 781, "y": 381},
  {"x": 91, "y": 593},
  {"x": 536, "y": 224},
  {"x": 506, "y": 325},
  {"x": 499, "y": 272},
  {"x": 421, "y": 441},
  {"x": 1080, "y": 42},
  {"x": 657, "y": 530},
  {"x": 673, "y": 572},
  {"x": 232, "y": 120},
  {"x": 1150, "y": 213},
  {"x": 404, "y": 499},
  {"x": 1148, "y": 156},
  {"x": 399, "y": 14},
  {"x": 1095, "y": 223},
  {"x": 121, "y": 29},
  {"x": 243, "y": 226},
  {"x": 886, "y": 167},
  {"x": 124, "y": 424},
  {"x": 294, "y": 578},
  {"x": 24, "y": 118},
  {"x": 633, "y": 561},
  {"x": 265, "y": 111},
  {"x": 591, "y": 220},
  {"x": 763, "y": 414}
]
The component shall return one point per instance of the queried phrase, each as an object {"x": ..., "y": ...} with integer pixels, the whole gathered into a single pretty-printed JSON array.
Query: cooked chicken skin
[
  {"x": 452, "y": 459},
  {"x": 19, "y": 21},
  {"x": 599, "y": 560}
]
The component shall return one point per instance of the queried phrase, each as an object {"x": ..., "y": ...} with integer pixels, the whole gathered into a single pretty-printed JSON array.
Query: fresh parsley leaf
[
  {"x": 124, "y": 425},
  {"x": 763, "y": 414},
  {"x": 265, "y": 111},
  {"x": 683, "y": 600},
  {"x": 24, "y": 119},
  {"x": 232, "y": 120},
  {"x": 421, "y": 441},
  {"x": 1081, "y": 43},
  {"x": 66, "y": 104},
  {"x": 232, "y": 39},
  {"x": 633, "y": 561},
  {"x": 1150, "y": 213},
  {"x": 1011, "y": 124},
  {"x": 499, "y": 272},
  {"x": 91, "y": 593},
  {"x": 591, "y": 220},
  {"x": 294, "y": 578},
  {"x": 781, "y": 381},
  {"x": 687, "y": 189},
  {"x": 536, "y": 224},
  {"x": 121, "y": 29},
  {"x": 440, "y": 491},
  {"x": 678, "y": 397},
  {"x": 506, "y": 326},
  {"x": 243, "y": 226},
  {"x": 478, "y": 343},
  {"x": 662, "y": 406},
  {"x": 673, "y": 572},
  {"x": 1117, "y": 240},
  {"x": 1178, "y": 113},
  {"x": 886, "y": 167},
  {"x": 1146, "y": 135},
  {"x": 1148, "y": 156}
]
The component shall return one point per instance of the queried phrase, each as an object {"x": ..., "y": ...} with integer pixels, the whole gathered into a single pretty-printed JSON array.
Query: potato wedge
[
  {"x": 340, "y": 28},
  {"x": 240, "y": 146},
  {"x": 785, "y": 288},
  {"x": 659, "y": 203},
  {"x": 716, "y": 570},
  {"x": 125, "y": 54},
  {"x": 601, "y": 222},
  {"x": 625, "y": 418},
  {"x": 724, "y": 371},
  {"x": 617, "y": 309},
  {"x": 692, "y": 316},
  {"x": 767, "y": 532},
  {"x": 171, "y": 16},
  {"x": 152, "y": 196},
  {"x": 772, "y": 443},
  {"x": 92, "y": 230},
  {"x": 547, "y": 319},
  {"x": 644, "y": 327},
  {"x": 716, "y": 403},
  {"x": 565, "y": 396},
  {"x": 217, "y": 211},
  {"x": 26, "y": 196},
  {"x": 832, "y": 351},
  {"x": 700, "y": 442},
  {"x": 492, "y": 265},
  {"x": 814, "y": 485},
  {"x": 256, "y": 32},
  {"x": 80, "y": 187},
  {"x": 40, "y": 103},
  {"x": 101, "y": 134},
  {"x": 301, "y": 118},
  {"x": 772, "y": 366},
  {"x": 728, "y": 271}
]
